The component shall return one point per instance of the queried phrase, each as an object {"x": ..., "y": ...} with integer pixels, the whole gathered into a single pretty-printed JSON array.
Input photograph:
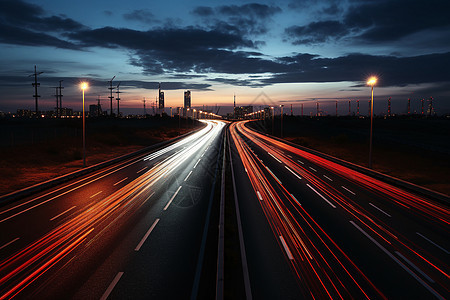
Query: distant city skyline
[{"x": 292, "y": 51}]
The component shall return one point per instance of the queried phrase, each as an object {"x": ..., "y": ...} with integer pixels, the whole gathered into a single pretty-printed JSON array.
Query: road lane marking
[
  {"x": 120, "y": 181},
  {"x": 443, "y": 249},
  {"x": 415, "y": 267},
  {"x": 327, "y": 177},
  {"x": 9, "y": 243},
  {"x": 138, "y": 247},
  {"x": 313, "y": 169},
  {"x": 275, "y": 158},
  {"x": 293, "y": 172},
  {"x": 171, "y": 199},
  {"x": 289, "y": 156},
  {"x": 246, "y": 170},
  {"x": 347, "y": 190},
  {"x": 111, "y": 286},
  {"x": 332, "y": 205},
  {"x": 274, "y": 175},
  {"x": 380, "y": 210},
  {"x": 288, "y": 252},
  {"x": 95, "y": 194},
  {"x": 295, "y": 199},
  {"x": 66, "y": 211},
  {"x": 141, "y": 170},
  {"x": 259, "y": 195},
  {"x": 197, "y": 162},
  {"x": 398, "y": 262},
  {"x": 301, "y": 162},
  {"x": 188, "y": 176}
]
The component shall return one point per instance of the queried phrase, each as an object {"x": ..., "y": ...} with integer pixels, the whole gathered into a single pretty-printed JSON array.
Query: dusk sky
[{"x": 292, "y": 51}]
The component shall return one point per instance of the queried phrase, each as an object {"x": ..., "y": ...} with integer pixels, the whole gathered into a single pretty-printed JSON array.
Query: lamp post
[
  {"x": 372, "y": 81},
  {"x": 84, "y": 86},
  {"x": 281, "y": 132}
]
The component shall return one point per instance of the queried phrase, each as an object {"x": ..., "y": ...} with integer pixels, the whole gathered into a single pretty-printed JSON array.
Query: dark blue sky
[{"x": 293, "y": 51}]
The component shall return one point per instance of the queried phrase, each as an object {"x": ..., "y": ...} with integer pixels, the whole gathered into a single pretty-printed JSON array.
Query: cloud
[
  {"x": 19, "y": 36},
  {"x": 141, "y": 15},
  {"x": 316, "y": 32},
  {"x": 247, "y": 19},
  {"x": 22, "y": 23},
  {"x": 365, "y": 22},
  {"x": 32, "y": 17},
  {"x": 393, "y": 71}
]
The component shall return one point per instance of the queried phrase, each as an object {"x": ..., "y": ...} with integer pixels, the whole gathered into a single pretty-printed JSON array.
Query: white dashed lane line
[
  {"x": 348, "y": 190},
  {"x": 119, "y": 182},
  {"x": 96, "y": 194},
  {"x": 64, "y": 212}
]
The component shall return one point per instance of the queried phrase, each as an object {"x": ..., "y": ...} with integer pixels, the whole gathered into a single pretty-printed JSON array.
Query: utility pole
[
  {"x": 409, "y": 106},
  {"x": 234, "y": 107},
  {"x": 317, "y": 109},
  {"x": 357, "y": 107},
  {"x": 111, "y": 94},
  {"x": 35, "y": 85},
  {"x": 389, "y": 107},
  {"x": 60, "y": 97},
  {"x": 349, "y": 107},
  {"x": 423, "y": 100},
  {"x": 118, "y": 99},
  {"x": 98, "y": 106},
  {"x": 145, "y": 111},
  {"x": 57, "y": 101},
  {"x": 336, "y": 108},
  {"x": 291, "y": 111},
  {"x": 302, "y": 109}
]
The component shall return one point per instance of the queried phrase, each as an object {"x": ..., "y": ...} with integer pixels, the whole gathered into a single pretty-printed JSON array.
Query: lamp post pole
[
  {"x": 281, "y": 132},
  {"x": 372, "y": 81},
  {"x": 83, "y": 87}
]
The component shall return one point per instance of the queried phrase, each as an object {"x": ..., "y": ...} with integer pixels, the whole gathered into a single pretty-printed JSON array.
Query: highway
[
  {"x": 132, "y": 230},
  {"x": 315, "y": 229}
]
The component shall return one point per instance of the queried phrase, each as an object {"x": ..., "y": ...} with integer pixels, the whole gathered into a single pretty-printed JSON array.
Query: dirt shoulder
[
  {"x": 414, "y": 150},
  {"x": 35, "y": 151}
]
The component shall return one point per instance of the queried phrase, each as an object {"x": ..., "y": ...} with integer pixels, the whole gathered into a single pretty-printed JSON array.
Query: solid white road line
[
  {"x": 120, "y": 181},
  {"x": 373, "y": 205},
  {"x": 275, "y": 158},
  {"x": 332, "y": 205},
  {"x": 415, "y": 267},
  {"x": 301, "y": 162},
  {"x": 295, "y": 174},
  {"x": 259, "y": 195},
  {"x": 197, "y": 163},
  {"x": 138, "y": 247},
  {"x": 141, "y": 170},
  {"x": 171, "y": 199},
  {"x": 433, "y": 243},
  {"x": 347, "y": 190},
  {"x": 288, "y": 252},
  {"x": 111, "y": 286},
  {"x": 95, "y": 194},
  {"x": 327, "y": 177},
  {"x": 398, "y": 262},
  {"x": 188, "y": 176},
  {"x": 66, "y": 211},
  {"x": 9, "y": 243}
]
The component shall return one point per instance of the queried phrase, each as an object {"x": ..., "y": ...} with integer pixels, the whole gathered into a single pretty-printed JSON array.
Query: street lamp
[
  {"x": 281, "y": 132},
  {"x": 371, "y": 81},
  {"x": 84, "y": 86}
]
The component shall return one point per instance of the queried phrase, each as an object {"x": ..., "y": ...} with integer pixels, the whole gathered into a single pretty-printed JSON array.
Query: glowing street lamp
[
  {"x": 84, "y": 86},
  {"x": 371, "y": 81}
]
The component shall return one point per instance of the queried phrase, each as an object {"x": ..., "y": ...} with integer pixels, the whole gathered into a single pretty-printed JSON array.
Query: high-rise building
[
  {"x": 161, "y": 98},
  {"x": 187, "y": 99}
]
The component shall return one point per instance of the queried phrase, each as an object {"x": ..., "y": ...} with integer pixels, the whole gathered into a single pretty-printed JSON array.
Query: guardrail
[{"x": 442, "y": 198}]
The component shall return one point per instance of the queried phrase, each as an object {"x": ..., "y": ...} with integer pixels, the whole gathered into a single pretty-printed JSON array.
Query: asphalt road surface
[
  {"x": 133, "y": 230},
  {"x": 315, "y": 229}
]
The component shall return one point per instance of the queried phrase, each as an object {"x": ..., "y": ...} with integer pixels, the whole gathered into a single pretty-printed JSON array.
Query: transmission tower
[
  {"x": 118, "y": 99},
  {"x": 145, "y": 111},
  {"x": 111, "y": 94},
  {"x": 36, "y": 84}
]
